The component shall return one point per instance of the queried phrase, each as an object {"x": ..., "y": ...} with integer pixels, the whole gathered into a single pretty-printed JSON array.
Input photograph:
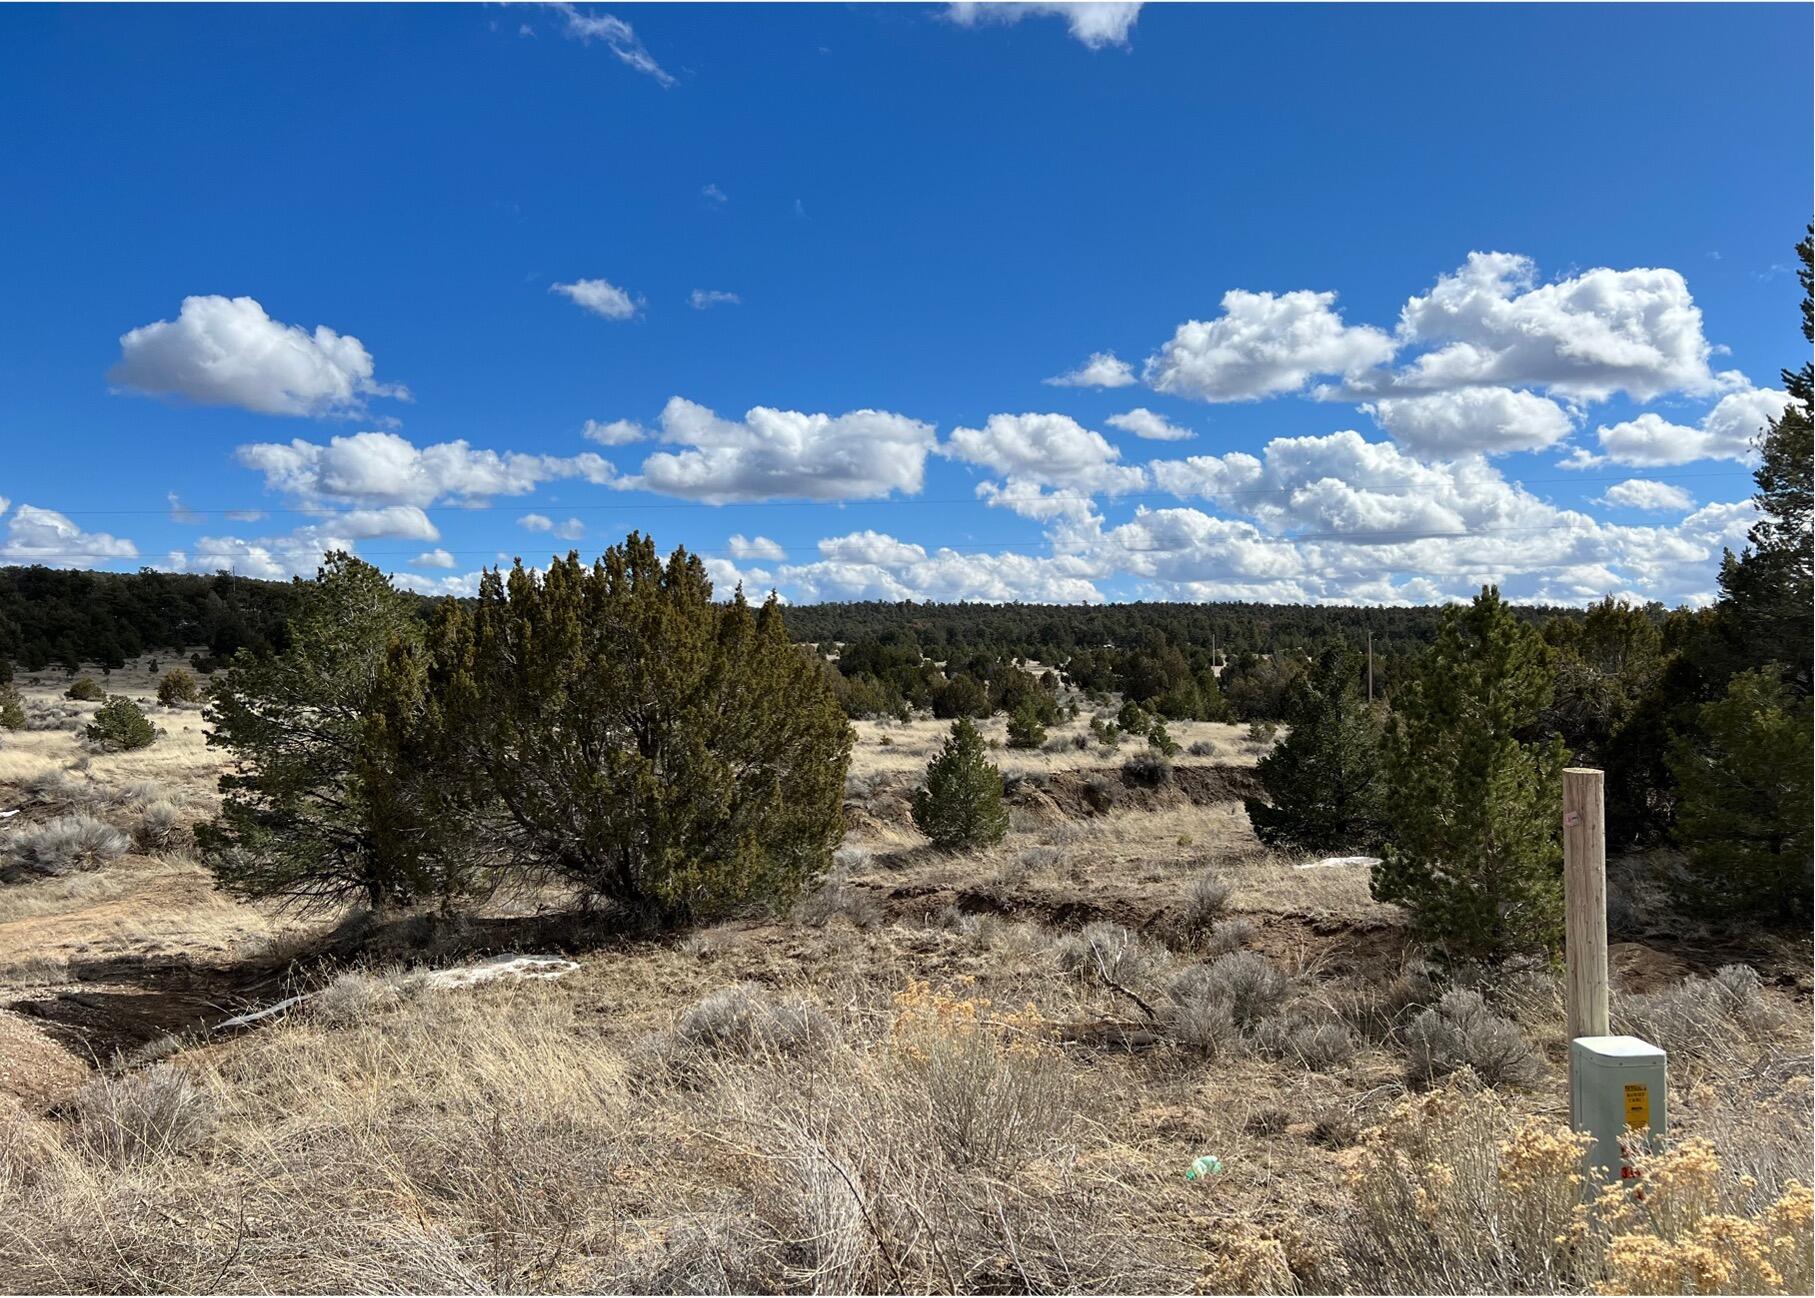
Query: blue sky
[{"x": 1384, "y": 301}]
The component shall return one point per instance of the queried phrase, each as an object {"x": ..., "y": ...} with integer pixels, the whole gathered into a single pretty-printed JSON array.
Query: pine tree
[
  {"x": 960, "y": 805},
  {"x": 12, "y": 708},
  {"x": 120, "y": 726},
  {"x": 1024, "y": 727},
  {"x": 300, "y": 818},
  {"x": 1767, "y": 591},
  {"x": 1744, "y": 792},
  {"x": 1160, "y": 739},
  {"x": 1473, "y": 848},
  {"x": 1324, "y": 783},
  {"x": 614, "y": 727}
]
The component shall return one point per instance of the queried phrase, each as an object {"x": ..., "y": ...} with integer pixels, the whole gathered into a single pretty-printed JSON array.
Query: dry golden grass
[{"x": 926, "y": 1081}]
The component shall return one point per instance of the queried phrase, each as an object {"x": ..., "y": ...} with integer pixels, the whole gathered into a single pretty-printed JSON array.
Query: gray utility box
[{"x": 1616, "y": 1083}]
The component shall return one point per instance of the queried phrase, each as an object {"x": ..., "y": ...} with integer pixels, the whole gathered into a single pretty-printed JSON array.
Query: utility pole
[
  {"x": 1585, "y": 901},
  {"x": 1370, "y": 667}
]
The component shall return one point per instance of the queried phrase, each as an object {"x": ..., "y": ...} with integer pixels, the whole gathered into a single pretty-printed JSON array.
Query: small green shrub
[
  {"x": 178, "y": 687},
  {"x": 1161, "y": 741},
  {"x": 120, "y": 725},
  {"x": 84, "y": 690},
  {"x": 12, "y": 709}
]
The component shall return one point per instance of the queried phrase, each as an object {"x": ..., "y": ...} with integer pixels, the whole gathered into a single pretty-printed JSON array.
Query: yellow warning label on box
[{"x": 1638, "y": 1105}]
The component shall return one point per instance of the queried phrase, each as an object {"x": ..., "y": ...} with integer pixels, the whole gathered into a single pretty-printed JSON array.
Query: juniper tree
[
  {"x": 1324, "y": 783},
  {"x": 1744, "y": 792},
  {"x": 12, "y": 708},
  {"x": 308, "y": 813},
  {"x": 614, "y": 727},
  {"x": 960, "y": 804},
  {"x": 1472, "y": 840}
]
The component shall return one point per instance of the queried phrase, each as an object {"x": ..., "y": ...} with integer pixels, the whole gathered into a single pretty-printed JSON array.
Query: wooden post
[{"x": 1585, "y": 902}]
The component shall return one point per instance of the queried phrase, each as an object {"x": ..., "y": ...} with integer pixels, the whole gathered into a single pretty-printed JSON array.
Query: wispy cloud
[
  {"x": 713, "y": 194},
  {"x": 702, "y": 299},
  {"x": 617, "y": 35}
]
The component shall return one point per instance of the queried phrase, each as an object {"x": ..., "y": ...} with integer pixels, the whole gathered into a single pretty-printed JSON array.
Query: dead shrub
[
  {"x": 142, "y": 1115},
  {"x": 1106, "y": 951},
  {"x": 1460, "y": 1031},
  {"x": 160, "y": 828}
]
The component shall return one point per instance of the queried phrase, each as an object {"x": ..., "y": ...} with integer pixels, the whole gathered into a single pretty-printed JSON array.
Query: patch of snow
[
  {"x": 501, "y": 966},
  {"x": 451, "y": 978},
  {"x": 253, "y": 1016},
  {"x": 1330, "y": 861}
]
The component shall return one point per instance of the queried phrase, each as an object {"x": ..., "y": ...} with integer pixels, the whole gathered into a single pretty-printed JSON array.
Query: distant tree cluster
[{"x": 55, "y": 617}]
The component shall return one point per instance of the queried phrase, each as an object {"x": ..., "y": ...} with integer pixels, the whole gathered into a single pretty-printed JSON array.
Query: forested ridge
[{"x": 73, "y": 617}]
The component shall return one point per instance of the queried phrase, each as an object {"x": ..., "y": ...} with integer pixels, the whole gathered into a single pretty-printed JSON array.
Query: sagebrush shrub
[
  {"x": 1150, "y": 769},
  {"x": 65, "y": 845},
  {"x": 1460, "y": 1031},
  {"x": 746, "y": 1020},
  {"x": 1703, "y": 1016},
  {"x": 1199, "y": 1015},
  {"x": 1206, "y": 898},
  {"x": 1230, "y": 935},
  {"x": 1314, "y": 1044}
]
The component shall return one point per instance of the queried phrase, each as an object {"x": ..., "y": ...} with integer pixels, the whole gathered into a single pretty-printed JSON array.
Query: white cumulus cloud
[
  {"x": 1643, "y": 493},
  {"x": 44, "y": 536},
  {"x": 1143, "y": 423},
  {"x": 619, "y": 432},
  {"x": 385, "y": 468},
  {"x": 1725, "y": 433},
  {"x": 436, "y": 558},
  {"x": 770, "y": 453},
  {"x": 599, "y": 296},
  {"x": 1049, "y": 449},
  {"x": 1604, "y": 331},
  {"x": 1264, "y": 344},
  {"x": 757, "y": 547},
  {"x": 1102, "y": 370},
  {"x": 1469, "y": 421},
  {"x": 223, "y": 351}
]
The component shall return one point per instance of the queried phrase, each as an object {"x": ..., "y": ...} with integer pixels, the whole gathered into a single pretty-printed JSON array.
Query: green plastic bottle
[{"x": 1202, "y": 1166}]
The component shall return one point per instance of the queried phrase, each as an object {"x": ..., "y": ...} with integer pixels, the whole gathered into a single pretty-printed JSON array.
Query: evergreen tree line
[{"x": 1701, "y": 720}]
